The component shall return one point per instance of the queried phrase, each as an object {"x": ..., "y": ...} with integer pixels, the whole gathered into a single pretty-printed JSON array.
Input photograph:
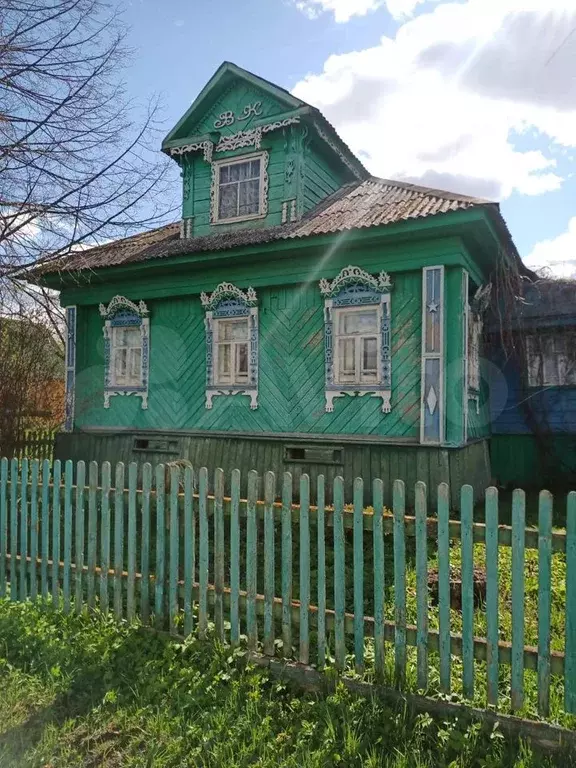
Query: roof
[
  {"x": 226, "y": 73},
  {"x": 370, "y": 203},
  {"x": 554, "y": 299}
]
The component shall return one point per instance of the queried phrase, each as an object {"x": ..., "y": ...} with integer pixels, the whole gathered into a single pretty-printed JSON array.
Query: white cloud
[
  {"x": 453, "y": 94},
  {"x": 558, "y": 254},
  {"x": 343, "y": 10}
]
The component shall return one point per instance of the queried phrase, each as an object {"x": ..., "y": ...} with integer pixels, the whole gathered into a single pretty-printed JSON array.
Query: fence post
[
  {"x": 13, "y": 528},
  {"x": 56, "y": 490},
  {"x": 160, "y": 570},
  {"x": 45, "y": 529},
  {"x": 131, "y": 586},
  {"x": 92, "y": 531}
]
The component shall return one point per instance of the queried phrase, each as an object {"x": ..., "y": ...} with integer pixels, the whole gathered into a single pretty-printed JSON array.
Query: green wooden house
[{"x": 302, "y": 316}]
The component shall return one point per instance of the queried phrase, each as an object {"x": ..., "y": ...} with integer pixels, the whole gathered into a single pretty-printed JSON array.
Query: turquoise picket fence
[{"x": 458, "y": 601}]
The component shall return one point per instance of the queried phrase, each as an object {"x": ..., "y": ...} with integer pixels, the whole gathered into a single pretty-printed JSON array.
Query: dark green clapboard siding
[
  {"x": 291, "y": 387},
  {"x": 409, "y": 463}
]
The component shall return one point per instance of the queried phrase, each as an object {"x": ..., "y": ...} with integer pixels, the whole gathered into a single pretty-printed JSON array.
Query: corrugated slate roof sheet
[{"x": 370, "y": 203}]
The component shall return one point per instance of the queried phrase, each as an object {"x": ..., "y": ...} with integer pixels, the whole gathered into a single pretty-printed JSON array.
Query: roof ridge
[{"x": 434, "y": 192}]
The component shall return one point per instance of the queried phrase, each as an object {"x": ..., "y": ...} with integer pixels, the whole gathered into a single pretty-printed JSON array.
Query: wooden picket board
[
  {"x": 379, "y": 581},
  {"x": 189, "y": 549},
  {"x": 92, "y": 534},
  {"x": 321, "y": 570},
  {"x": 104, "y": 535},
  {"x": 79, "y": 536},
  {"x": 3, "y": 524},
  {"x": 48, "y": 548},
  {"x": 173, "y": 549},
  {"x": 235, "y": 559},
  {"x": 444, "y": 584},
  {"x": 23, "y": 528},
  {"x": 145, "y": 539},
  {"x": 34, "y": 477},
  {"x": 45, "y": 531},
  {"x": 287, "y": 566},
  {"x": 339, "y": 575},
  {"x": 304, "y": 623},
  {"x": 467, "y": 546},
  {"x": 269, "y": 492},
  {"x": 399, "y": 507},
  {"x": 518, "y": 557},
  {"x": 358, "y": 564},
  {"x": 251, "y": 560},
  {"x": 570, "y": 661},
  {"x": 544, "y": 600}
]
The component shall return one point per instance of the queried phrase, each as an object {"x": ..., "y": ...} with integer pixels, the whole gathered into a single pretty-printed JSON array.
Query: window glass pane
[
  {"x": 249, "y": 197},
  {"x": 232, "y": 330},
  {"x": 228, "y": 201},
  {"x": 369, "y": 355},
  {"x": 359, "y": 322},
  {"x": 347, "y": 357},
  {"x": 255, "y": 169},
  {"x": 224, "y": 174},
  {"x": 236, "y": 171},
  {"x": 135, "y": 364},
  {"x": 242, "y": 358},
  {"x": 120, "y": 363},
  {"x": 224, "y": 360}
]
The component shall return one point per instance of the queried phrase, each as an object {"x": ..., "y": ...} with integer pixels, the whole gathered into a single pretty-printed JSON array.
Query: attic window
[{"x": 239, "y": 188}]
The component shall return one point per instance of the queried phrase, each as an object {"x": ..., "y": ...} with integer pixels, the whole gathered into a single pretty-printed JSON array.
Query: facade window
[
  {"x": 239, "y": 188},
  {"x": 231, "y": 339},
  {"x": 551, "y": 360},
  {"x": 126, "y": 352},
  {"x": 357, "y": 343},
  {"x": 126, "y": 349},
  {"x": 231, "y": 343},
  {"x": 357, "y": 336}
]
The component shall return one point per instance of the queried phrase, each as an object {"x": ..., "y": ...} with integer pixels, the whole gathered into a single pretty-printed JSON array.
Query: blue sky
[{"x": 477, "y": 96}]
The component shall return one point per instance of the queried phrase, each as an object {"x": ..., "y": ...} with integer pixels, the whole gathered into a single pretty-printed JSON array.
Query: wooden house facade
[{"x": 303, "y": 315}]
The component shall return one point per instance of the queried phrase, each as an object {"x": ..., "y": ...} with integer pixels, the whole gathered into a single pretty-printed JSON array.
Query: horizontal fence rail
[{"x": 433, "y": 602}]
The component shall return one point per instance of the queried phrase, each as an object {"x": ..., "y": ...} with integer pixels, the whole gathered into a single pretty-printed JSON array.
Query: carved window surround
[
  {"x": 355, "y": 288},
  {"x": 229, "y": 301},
  {"x": 121, "y": 312},
  {"x": 432, "y": 404}
]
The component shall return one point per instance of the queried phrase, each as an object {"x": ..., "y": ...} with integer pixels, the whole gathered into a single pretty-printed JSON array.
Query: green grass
[{"x": 80, "y": 691}]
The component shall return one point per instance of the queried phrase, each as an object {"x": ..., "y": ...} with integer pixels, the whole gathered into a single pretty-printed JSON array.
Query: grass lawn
[{"x": 80, "y": 691}]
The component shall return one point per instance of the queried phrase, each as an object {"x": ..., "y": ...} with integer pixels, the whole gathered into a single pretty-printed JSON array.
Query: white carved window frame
[
  {"x": 356, "y": 289},
  {"x": 216, "y": 165},
  {"x": 228, "y": 302},
  {"x": 121, "y": 312}
]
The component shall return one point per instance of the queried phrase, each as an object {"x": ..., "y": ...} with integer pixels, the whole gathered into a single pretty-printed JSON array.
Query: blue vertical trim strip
[
  {"x": 70, "y": 368},
  {"x": 385, "y": 355},
  {"x": 432, "y": 386}
]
